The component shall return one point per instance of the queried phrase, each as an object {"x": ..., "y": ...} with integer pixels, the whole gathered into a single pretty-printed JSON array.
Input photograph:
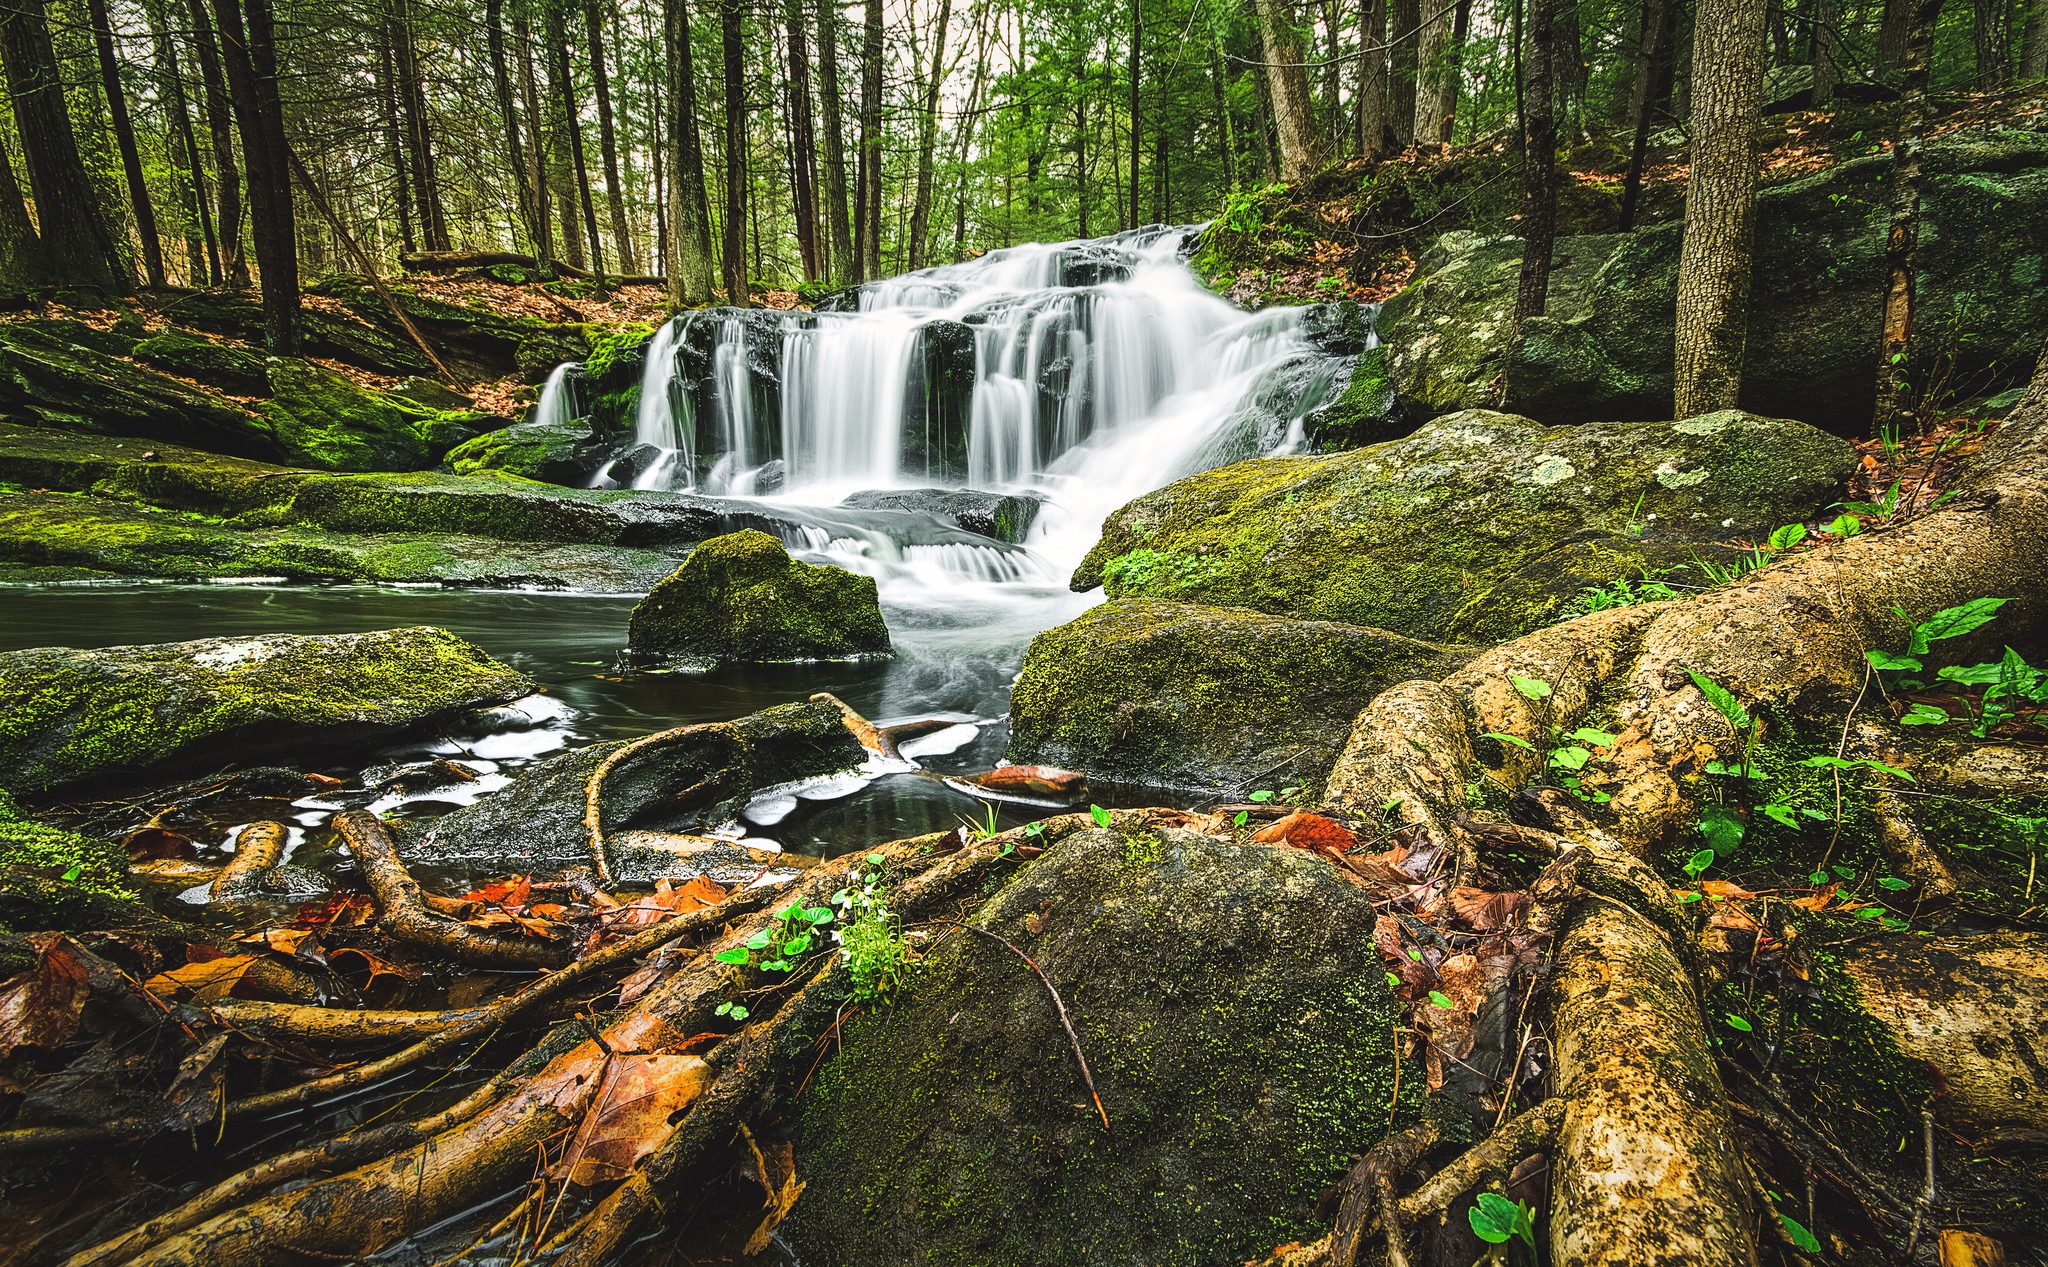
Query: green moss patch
[{"x": 741, "y": 597}]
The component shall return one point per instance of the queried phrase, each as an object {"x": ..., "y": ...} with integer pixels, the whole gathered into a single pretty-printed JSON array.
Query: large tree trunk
[
  {"x": 1827, "y": 71},
  {"x": 1539, "y": 168},
  {"x": 839, "y": 230},
  {"x": 21, "y": 254},
  {"x": 1433, "y": 57},
  {"x": 124, "y": 140},
  {"x": 419, "y": 138},
  {"x": 1294, "y": 123},
  {"x": 573, "y": 116},
  {"x": 562, "y": 158},
  {"x": 1895, "y": 402},
  {"x": 928, "y": 140},
  {"x": 394, "y": 138},
  {"x": 1991, "y": 40},
  {"x": 1660, "y": 26},
  {"x": 1407, "y": 30},
  {"x": 220, "y": 126},
  {"x": 1720, "y": 205},
  {"x": 249, "y": 53},
  {"x": 1371, "y": 111},
  {"x": 803, "y": 156},
  {"x": 732, "y": 44},
  {"x": 2034, "y": 44},
  {"x": 607, "y": 137},
  {"x": 78, "y": 249},
  {"x": 689, "y": 213},
  {"x": 539, "y": 163},
  {"x": 869, "y": 233},
  {"x": 508, "y": 115}
]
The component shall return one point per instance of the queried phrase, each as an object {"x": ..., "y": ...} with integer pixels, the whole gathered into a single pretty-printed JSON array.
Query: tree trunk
[
  {"x": 394, "y": 139},
  {"x": 732, "y": 44},
  {"x": 1433, "y": 47},
  {"x": 508, "y": 114},
  {"x": 839, "y": 231},
  {"x": 803, "y": 146},
  {"x": 1407, "y": 24},
  {"x": 1371, "y": 111},
  {"x": 689, "y": 214},
  {"x": 1081, "y": 167},
  {"x": 870, "y": 244},
  {"x": 538, "y": 174},
  {"x": 1293, "y": 117},
  {"x": 187, "y": 147},
  {"x": 1454, "y": 73},
  {"x": 2034, "y": 46},
  {"x": 1892, "y": 31},
  {"x": 220, "y": 126},
  {"x": 250, "y": 58},
  {"x": 124, "y": 140},
  {"x": 1539, "y": 168},
  {"x": 928, "y": 140},
  {"x": 419, "y": 140},
  {"x": 1226, "y": 128},
  {"x": 1660, "y": 18},
  {"x": 1137, "y": 38},
  {"x": 559, "y": 47},
  {"x": 1895, "y": 403},
  {"x": 21, "y": 254},
  {"x": 562, "y": 161},
  {"x": 77, "y": 249},
  {"x": 1720, "y": 206},
  {"x": 1991, "y": 40},
  {"x": 1827, "y": 21},
  {"x": 607, "y": 137}
]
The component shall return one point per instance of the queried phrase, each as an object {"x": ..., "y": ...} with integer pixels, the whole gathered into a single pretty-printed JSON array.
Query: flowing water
[{"x": 1081, "y": 375}]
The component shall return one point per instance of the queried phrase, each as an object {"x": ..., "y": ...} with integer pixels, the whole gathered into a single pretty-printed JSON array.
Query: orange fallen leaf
[
  {"x": 630, "y": 1117},
  {"x": 774, "y": 1168},
  {"x": 285, "y": 941},
  {"x": 207, "y": 981},
  {"x": 1723, "y": 889},
  {"x": 41, "y": 1007}
]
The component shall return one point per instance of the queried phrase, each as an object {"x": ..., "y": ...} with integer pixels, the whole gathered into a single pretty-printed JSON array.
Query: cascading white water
[{"x": 556, "y": 403}]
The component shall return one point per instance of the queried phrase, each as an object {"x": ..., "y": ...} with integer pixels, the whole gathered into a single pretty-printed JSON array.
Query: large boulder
[
  {"x": 564, "y": 452},
  {"x": 1175, "y": 694},
  {"x": 71, "y": 717},
  {"x": 69, "y": 376},
  {"x": 1238, "y": 1026},
  {"x": 324, "y": 420},
  {"x": 1003, "y": 516},
  {"x": 1603, "y": 348},
  {"x": 741, "y": 597},
  {"x": 232, "y": 369},
  {"x": 538, "y": 822},
  {"x": 1480, "y": 526}
]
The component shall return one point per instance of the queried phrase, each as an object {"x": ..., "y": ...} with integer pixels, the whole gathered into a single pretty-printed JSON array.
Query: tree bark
[
  {"x": 689, "y": 213},
  {"x": 1660, "y": 20},
  {"x": 1293, "y": 116},
  {"x": 1454, "y": 73},
  {"x": 1433, "y": 45},
  {"x": 561, "y": 159},
  {"x": 21, "y": 253},
  {"x": 838, "y": 229},
  {"x": 186, "y": 149},
  {"x": 1226, "y": 127},
  {"x": 573, "y": 117},
  {"x": 1539, "y": 168},
  {"x": 732, "y": 44},
  {"x": 1371, "y": 111},
  {"x": 419, "y": 141},
  {"x": 1895, "y": 402},
  {"x": 2034, "y": 45},
  {"x": 1991, "y": 40},
  {"x": 803, "y": 146},
  {"x": 227, "y": 175},
  {"x": 869, "y": 240},
  {"x": 394, "y": 139},
  {"x": 77, "y": 248},
  {"x": 124, "y": 140},
  {"x": 249, "y": 54},
  {"x": 508, "y": 115},
  {"x": 1407, "y": 28},
  {"x": 1137, "y": 38},
  {"x": 607, "y": 136},
  {"x": 1720, "y": 206},
  {"x": 539, "y": 175},
  {"x": 928, "y": 140},
  {"x": 1827, "y": 72}
]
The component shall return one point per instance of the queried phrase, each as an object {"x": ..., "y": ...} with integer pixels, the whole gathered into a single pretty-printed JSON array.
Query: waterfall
[{"x": 557, "y": 401}]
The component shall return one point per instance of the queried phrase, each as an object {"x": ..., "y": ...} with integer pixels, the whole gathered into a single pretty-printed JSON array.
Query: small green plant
[
  {"x": 1101, "y": 816},
  {"x": 2006, "y": 684},
  {"x": 870, "y": 936},
  {"x": 1497, "y": 1220},
  {"x": 787, "y": 938},
  {"x": 982, "y": 828},
  {"x": 1569, "y": 753},
  {"x": 1623, "y": 592}
]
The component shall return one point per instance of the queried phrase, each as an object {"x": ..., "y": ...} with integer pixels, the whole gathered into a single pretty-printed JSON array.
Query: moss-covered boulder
[
  {"x": 324, "y": 420},
  {"x": 1603, "y": 348},
  {"x": 63, "y": 375},
  {"x": 552, "y": 452},
  {"x": 1480, "y": 526},
  {"x": 741, "y": 597},
  {"x": 1235, "y": 1018},
  {"x": 235, "y": 370},
  {"x": 537, "y": 822},
  {"x": 1180, "y": 695},
  {"x": 95, "y": 865},
  {"x": 71, "y": 717},
  {"x": 1006, "y": 517}
]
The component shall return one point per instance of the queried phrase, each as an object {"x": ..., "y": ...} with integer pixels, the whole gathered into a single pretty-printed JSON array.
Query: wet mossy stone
[
  {"x": 1479, "y": 525},
  {"x": 234, "y": 370},
  {"x": 1235, "y": 1018},
  {"x": 92, "y": 864},
  {"x": 71, "y": 717},
  {"x": 324, "y": 420},
  {"x": 564, "y": 452},
  {"x": 50, "y": 375},
  {"x": 537, "y": 822},
  {"x": 1003, "y": 516},
  {"x": 740, "y": 597},
  {"x": 1181, "y": 695}
]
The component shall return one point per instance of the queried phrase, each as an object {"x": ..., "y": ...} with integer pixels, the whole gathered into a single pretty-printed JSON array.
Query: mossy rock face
[
  {"x": 1603, "y": 348},
  {"x": 324, "y": 420},
  {"x": 551, "y": 452},
  {"x": 234, "y": 370},
  {"x": 1235, "y": 1018},
  {"x": 537, "y": 822},
  {"x": 1007, "y": 517},
  {"x": 741, "y": 597},
  {"x": 1181, "y": 695},
  {"x": 48, "y": 372},
  {"x": 72, "y": 717},
  {"x": 1480, "y": 525},
  {"x": 93, "y": 865}
]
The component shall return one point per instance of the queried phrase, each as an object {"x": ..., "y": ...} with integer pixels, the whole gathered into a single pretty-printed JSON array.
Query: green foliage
[
  {"x": 2002, "y": 686},
  {"x": 1497, "y": 1220},
  {"x": 1623, "y": 592}
]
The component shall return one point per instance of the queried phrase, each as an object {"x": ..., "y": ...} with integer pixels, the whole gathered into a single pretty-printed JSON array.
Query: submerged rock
[
  {"x": 1480, "y": 526},
  {"x": 692, "y": 782},
  {"x": 72, "y": 717},
  {"x": 741, "y": 597},
  {"x": 1003, "y": 516},
  {"x": 1238, "y": 1026},
  {"x": 1175, "y": 694}
]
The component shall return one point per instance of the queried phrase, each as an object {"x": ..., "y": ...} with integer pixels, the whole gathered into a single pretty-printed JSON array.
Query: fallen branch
[
  {"x": 257, "y": 846},
  {"x": 404, "y": 914},
  {"x": 305, "y": 1023}
]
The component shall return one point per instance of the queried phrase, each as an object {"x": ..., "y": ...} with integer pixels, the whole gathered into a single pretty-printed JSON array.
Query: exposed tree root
[
  {"x": 257, "y": 846},
  {"x": 298, "y": 1022},
  {"x": 403, "y": 914}
]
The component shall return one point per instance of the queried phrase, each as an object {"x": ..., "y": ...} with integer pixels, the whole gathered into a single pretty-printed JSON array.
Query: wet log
[
  {"x": 403, "y": 913},
  {"x": 257, "y": 846}
]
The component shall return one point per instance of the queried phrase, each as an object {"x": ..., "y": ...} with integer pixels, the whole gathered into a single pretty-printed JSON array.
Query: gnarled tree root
[
  {"x": 403, "y": 913},
  {"x": 257, "y": 846}
]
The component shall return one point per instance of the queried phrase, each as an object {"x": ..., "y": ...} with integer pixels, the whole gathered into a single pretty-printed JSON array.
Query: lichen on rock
[{"x": 741, "y": 597}]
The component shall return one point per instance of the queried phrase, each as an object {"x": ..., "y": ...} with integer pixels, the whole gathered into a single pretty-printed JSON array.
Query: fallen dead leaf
[
  {"x": 41, "y": 1007},
  {"x": 774, "y": 1168},
  {"x": 206, "y": 981},
  {"x": 630, "y": 1115}
]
